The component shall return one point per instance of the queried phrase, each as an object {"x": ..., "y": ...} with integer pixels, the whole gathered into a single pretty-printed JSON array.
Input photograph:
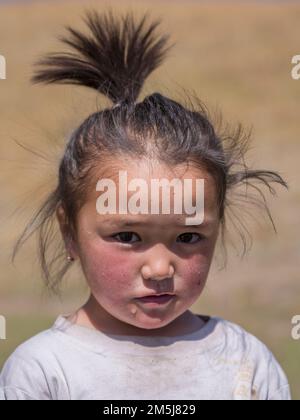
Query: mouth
[{"x": 154, "y": 300}]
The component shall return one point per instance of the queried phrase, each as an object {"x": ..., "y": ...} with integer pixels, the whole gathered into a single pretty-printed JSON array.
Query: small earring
[{"x": 70, "y": 259}]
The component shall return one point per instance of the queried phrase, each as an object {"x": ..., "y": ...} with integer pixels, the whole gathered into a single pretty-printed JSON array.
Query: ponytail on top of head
[{"x": 115, "y": 58}]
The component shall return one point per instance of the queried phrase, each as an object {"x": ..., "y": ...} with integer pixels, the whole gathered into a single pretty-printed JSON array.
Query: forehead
[
  {"x": 147, "y": 171},
  {"x": 152, "y": 169},
  {"x": 149, "y": 168}
]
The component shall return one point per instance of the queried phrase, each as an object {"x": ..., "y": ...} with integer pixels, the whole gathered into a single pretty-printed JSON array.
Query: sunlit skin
[{"x": 156, "y": 256}]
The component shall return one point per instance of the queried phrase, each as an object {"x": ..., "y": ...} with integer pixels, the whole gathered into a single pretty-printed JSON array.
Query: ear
[{"x": 65, "y": 231}]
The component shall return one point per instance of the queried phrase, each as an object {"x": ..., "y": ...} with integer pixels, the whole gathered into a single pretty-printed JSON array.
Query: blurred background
[{"x": 235, "y": 56}]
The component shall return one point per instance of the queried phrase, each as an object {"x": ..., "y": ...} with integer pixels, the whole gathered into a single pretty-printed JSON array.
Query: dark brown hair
[{"x": 115, "y": 58}]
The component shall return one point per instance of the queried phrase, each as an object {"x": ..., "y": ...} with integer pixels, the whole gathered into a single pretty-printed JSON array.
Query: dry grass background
[{"x": 233, "y": 55}]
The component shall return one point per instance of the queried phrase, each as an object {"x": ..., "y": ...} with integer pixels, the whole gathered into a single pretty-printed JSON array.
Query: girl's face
[{"x": 155, "y": 254}]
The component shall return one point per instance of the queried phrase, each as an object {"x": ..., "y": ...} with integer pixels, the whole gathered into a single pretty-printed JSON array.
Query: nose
[{"x": 158, "y": 265}]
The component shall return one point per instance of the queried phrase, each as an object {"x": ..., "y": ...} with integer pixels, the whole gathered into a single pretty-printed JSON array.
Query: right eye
[{"x": 125, "y": 237}]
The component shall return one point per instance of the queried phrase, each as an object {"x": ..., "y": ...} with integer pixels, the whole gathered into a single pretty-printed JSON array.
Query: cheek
[
  {"x": 195, "y": 272},
  {"x": 107, "y": 270},
  {"x": 199, "y": 266}
]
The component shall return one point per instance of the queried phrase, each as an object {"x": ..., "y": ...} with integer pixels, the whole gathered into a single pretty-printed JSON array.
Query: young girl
[{"x": 135, "y": 337}]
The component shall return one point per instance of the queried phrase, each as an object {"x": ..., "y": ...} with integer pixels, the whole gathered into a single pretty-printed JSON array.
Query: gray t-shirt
[{"x": 71, "y": 362}]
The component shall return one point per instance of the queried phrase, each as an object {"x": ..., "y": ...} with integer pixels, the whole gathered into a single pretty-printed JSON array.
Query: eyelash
[{"x": 200, "y": 237}]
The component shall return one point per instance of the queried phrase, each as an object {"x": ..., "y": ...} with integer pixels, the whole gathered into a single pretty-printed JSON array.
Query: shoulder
[
  {"x": 239, "y": 339},
  {"x": 243, "y": 348},
  {"x": 36, "y": 348},
  {"x": 27, "y": 372}
]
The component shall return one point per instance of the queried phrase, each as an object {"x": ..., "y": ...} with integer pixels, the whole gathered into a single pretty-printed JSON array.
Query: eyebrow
[{"x": 128, "y": 223}]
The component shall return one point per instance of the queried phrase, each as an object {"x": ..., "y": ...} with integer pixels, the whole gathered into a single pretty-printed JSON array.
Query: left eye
[
  {"x": 125, "y": 236},
  {"x": 190, "y": 238}
]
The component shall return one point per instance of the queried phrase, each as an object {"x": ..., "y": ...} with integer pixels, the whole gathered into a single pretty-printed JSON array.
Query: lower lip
[{"x": 156, "y": 300}]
